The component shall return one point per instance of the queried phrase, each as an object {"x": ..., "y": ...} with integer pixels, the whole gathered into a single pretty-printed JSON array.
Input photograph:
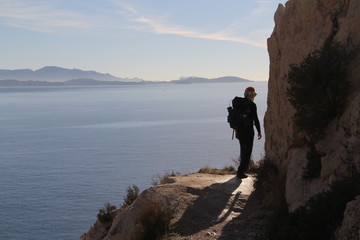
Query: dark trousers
[{"x": 246, "y": 139}]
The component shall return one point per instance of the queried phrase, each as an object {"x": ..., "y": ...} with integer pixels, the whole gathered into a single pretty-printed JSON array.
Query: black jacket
[{"x": 250, "y": 109}]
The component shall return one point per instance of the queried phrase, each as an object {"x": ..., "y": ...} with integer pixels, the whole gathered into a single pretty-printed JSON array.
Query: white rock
[{"x": 301, "y": 27}]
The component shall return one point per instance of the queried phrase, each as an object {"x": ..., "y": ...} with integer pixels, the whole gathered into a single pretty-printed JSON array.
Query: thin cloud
[
  {"x": 264, "y": 7},
  {"x": 44, "y": 16},
  {"x": 161, "y": 26},
  {"x": 40, "y": 16}
]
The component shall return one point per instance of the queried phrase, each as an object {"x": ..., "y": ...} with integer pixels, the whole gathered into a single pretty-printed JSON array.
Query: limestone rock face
[
  {"x": 350, "y": 227},
  {"x": 301, "y": 27}
]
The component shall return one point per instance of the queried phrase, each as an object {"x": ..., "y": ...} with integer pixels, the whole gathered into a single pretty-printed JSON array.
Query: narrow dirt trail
[{"x": 220, "y": 207}]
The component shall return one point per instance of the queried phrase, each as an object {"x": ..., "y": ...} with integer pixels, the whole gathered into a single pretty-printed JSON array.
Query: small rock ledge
[{"x": 196, "y": 206}]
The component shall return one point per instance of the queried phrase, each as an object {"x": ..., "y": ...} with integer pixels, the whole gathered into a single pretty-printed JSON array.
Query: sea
[{"x": 65, "y": 151}]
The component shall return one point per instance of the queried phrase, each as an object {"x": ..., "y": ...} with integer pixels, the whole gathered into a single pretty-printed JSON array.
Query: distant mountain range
[
  {"x": 56, "y": 76},
  {"x": 211, "y": 80}
]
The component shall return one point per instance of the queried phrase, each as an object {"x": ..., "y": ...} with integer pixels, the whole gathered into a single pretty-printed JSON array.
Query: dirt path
[{"x": 220, "y": 207}]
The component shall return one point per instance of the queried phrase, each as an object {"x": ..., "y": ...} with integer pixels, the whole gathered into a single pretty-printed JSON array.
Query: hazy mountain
[
  {"x": 73, "y": 82},
  {"x": 211, "y": 80},
  {"x": 57, "y": 74}
]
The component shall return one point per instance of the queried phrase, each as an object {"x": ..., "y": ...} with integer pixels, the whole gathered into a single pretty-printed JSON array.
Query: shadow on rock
[
  {"x": 250, "y": 224},
  {"x": 208, "y": 208}
]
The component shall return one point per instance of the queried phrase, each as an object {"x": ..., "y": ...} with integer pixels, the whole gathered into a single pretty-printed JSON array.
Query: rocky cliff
[
  {"x": 196, "y": 206},
  {"x": 301, "y": 28}
]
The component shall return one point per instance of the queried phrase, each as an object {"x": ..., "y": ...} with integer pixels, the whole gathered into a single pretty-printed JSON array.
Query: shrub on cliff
[
  {"x": 313, "y": 166},
  {"x": 270, "y": 183},
  {"x": 132, "y": 194},
  {"x": 155, "y": 222},
  {"x": 321, "y": 215},
  {"x": 107, "y": 213},
  {"x": 318, "y": 88},
  {"x": 104, "y": 214}
]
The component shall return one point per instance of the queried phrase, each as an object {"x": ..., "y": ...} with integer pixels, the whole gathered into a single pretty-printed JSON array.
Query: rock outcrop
[
  {"x": 302, "y": 27},
  {"x": 350, "y": 227},
  {"x": 151, "y": 210},
  {"x": 195, "y": 206}
]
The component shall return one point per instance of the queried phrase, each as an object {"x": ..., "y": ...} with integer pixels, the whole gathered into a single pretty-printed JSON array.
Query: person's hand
[
  {"x": 259, "y": 136},
  {"x": 237, "y": 135}
]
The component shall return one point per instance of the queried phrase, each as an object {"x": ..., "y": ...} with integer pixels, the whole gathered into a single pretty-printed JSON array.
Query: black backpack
[{"x": 239, "y": 113}]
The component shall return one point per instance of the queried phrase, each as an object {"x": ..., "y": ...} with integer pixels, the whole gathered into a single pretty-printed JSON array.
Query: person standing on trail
[{"x": 245, "y": 129}]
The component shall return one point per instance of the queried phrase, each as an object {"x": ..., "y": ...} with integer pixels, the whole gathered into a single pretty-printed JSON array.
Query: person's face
[{"x": 252, "y": 96}]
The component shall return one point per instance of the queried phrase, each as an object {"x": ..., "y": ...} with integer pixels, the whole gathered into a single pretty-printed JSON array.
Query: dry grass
[
  {"x": 154, "y": 221},
  {"x": 165, "y": 178},
  {"x": 224, "y": 171}
]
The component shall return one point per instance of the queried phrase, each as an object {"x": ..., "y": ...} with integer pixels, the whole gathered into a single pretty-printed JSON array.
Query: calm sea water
[{"x": 65, "y": 151}]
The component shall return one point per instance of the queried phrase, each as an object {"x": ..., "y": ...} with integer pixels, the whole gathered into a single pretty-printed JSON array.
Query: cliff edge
[
  {"x": 311, "y": 160},
  {"x": 197, "y": 206}
]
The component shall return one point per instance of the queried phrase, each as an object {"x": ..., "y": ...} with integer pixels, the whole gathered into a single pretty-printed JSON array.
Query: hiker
[{"x": 245, "y": 130}]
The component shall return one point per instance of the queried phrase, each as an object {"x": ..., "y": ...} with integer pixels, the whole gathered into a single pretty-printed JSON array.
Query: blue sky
[{"x": 148, "y": 39}]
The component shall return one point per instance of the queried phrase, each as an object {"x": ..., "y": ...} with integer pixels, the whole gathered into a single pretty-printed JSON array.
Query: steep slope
[{"x": 301, "y": 28}]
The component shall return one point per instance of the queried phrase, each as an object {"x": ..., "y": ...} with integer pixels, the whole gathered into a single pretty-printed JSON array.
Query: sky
[{"x": 155, "y": 40}]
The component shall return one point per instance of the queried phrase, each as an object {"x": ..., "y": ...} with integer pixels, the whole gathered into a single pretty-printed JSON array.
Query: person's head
[{"x": 250, "y": 93}]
